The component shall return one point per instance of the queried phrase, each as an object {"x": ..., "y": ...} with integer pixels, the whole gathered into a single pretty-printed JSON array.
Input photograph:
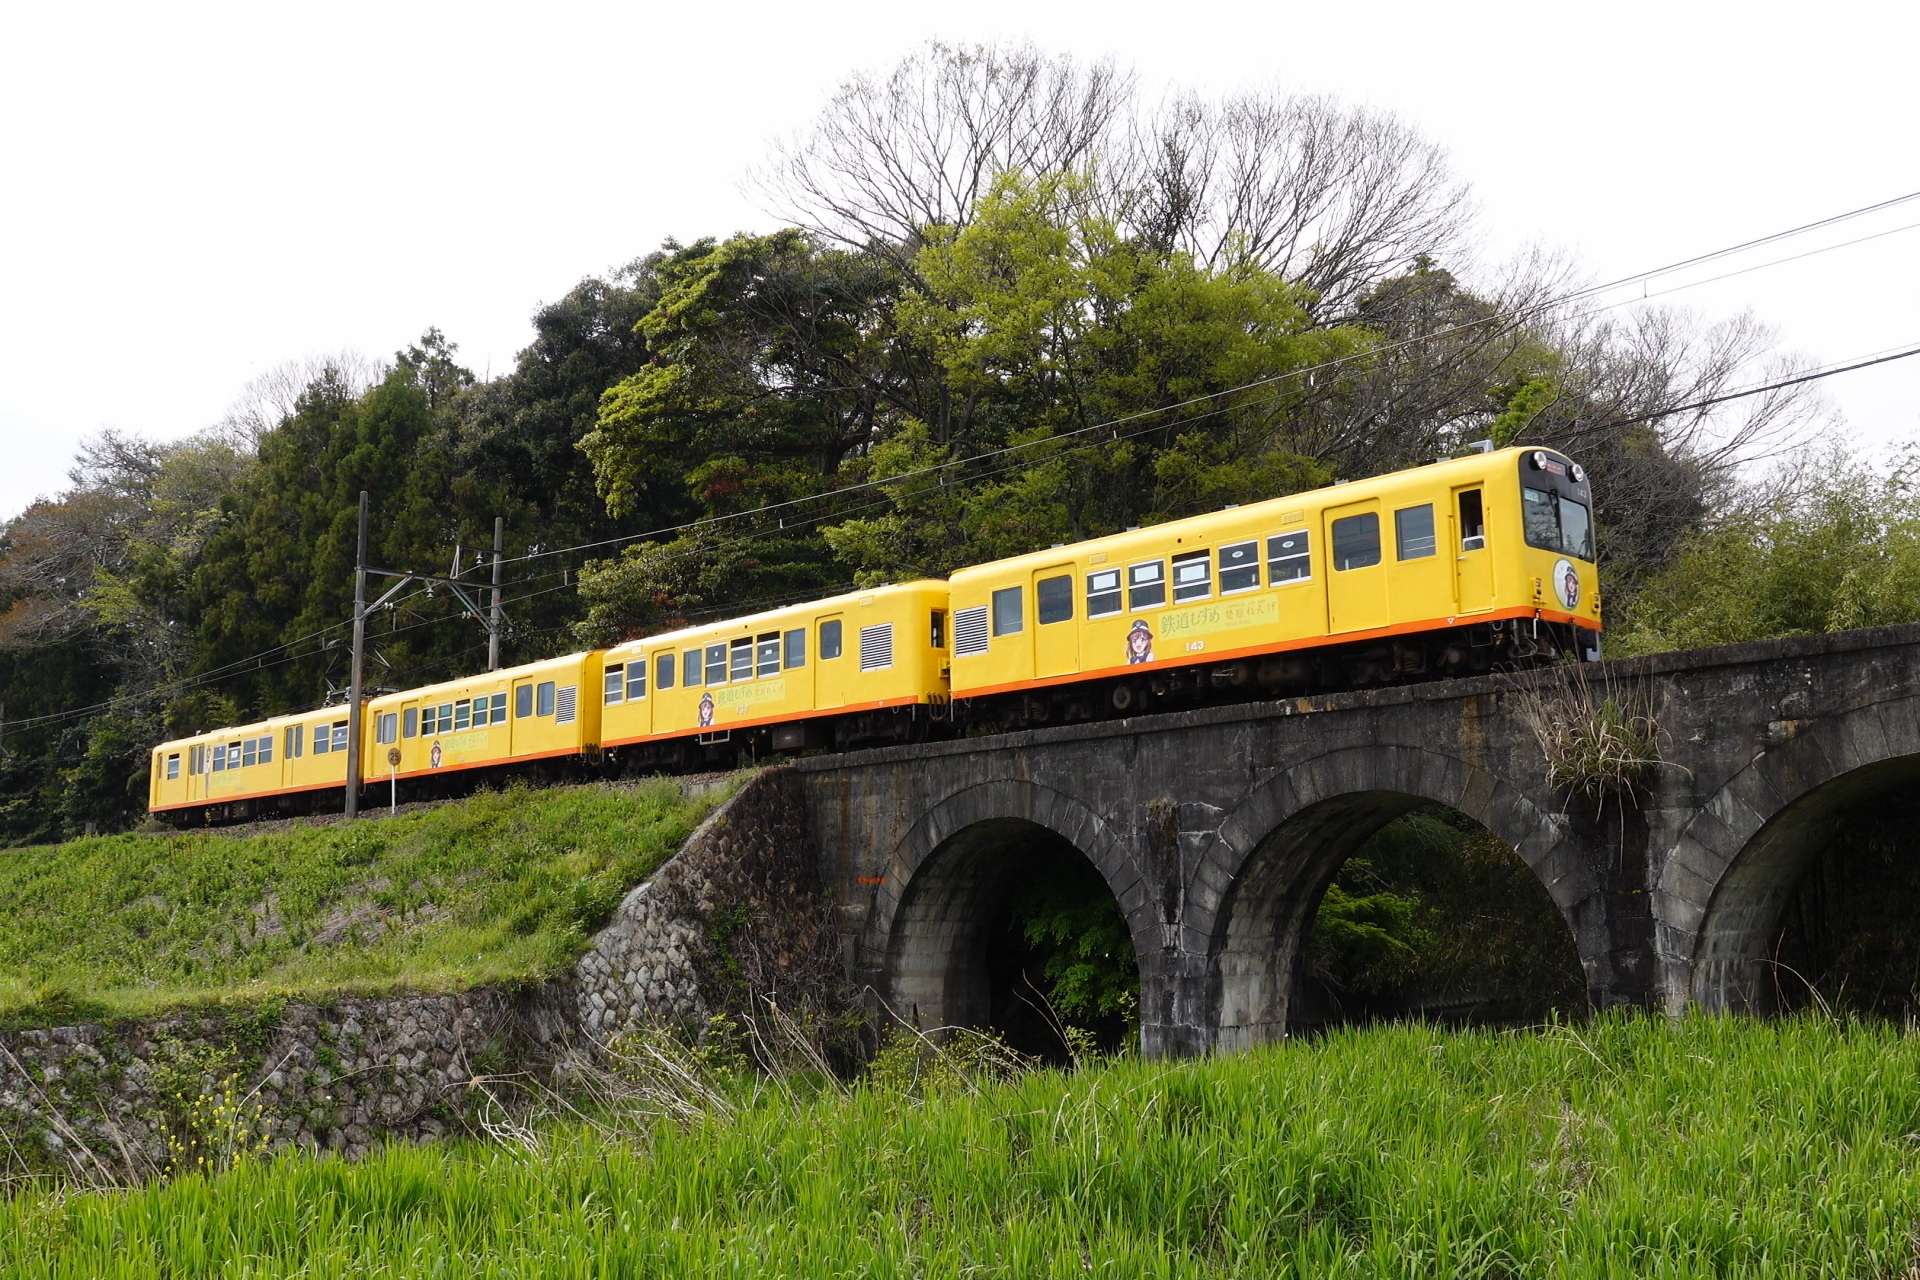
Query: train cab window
[
  {"x": 742, "y": 659},
  {"x": 1540, "y": 515},
  {"x": 322, "y": 739},
  {"x": 766, "y": 655},
  {"x": 690, "y": 668},
  {"x": 1576, "y": 529},
  {"x": 1103, "y": 593},
  {"x": 386, "y": 729},
  {"x": 1289, "y": 557},
  {"x": 938, "y": 628},
  {"x": 616, "y": 683},
  {"x": 830, "y": 639},
  {"x": 1146, "y": 585},
  {"x": 716, "y": 664},
  {"x": 1192, "y": 576},
  {"x": 522, "y": 703},
  {"x": 410, "y": 721},
  {"x": 543, "y": 699},
  {"x": 795, "y": 642},
  {"x": 1473, "y": 521},
  {"x": 173, "y": 766},
  {"x": 1239, "y": 567},
  {"x": 1356, "y": 541},
  {"x": 1053, "y": 598},
  {"x": 1007, "y": 610},
  {"x": 1413, "y": 532},
  {"x": 636, "y": 679},
  {"x": 340, "y": 735},
  {"x": 663, "y": 670}
]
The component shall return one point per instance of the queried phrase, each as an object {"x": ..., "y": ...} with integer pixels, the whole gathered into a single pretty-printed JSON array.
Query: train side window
[
  {"x": 663, "y": 670},
  {"x": 1103, "y": 593},
  {"x": 830, "y": 639},
  {"x": 1054, "y": 599},
  {"x": 461, "y": 714},
  {"x": 636, "y": 679},
  {"x": 340, "y": 735},
  {"x": 766, "y": 655},
  {"x": 796, "y": 646},
  {"x": 266, "y": 749},
  {"x": 1239, "y": 567},
  {"x": 1356, "y": 541},
  {"x": 499, "y": 710},
  {"x": 219, "y": 759},
  {"x": 543, "y": 699},
  {"x": 322, "y": 739},
  {"x": 1007, "y": 608},
  {"x": 616, "y": 683},
  {"x": 430, "y": 718},
  {"x": 1192, "y": 576},
  {"x": 1289, "y": 557},
  {"x": 741, "y": 655},
  {"x": 522, "y": 703},
  {"x": 387, "y": 730},
  {"x": 1473, "y": 521},
  {"x": 690, "y": 668},
  {"x": 1413, "y": 532},
  {"x": 249, "y": 753},
  {"x": 410, "y": 721},
  {"x": 173, "y": 766},
  {"x": 717, "y": 663},
  {"x": 1146, "y": 585},
  {"x": 939, "y": 628}
]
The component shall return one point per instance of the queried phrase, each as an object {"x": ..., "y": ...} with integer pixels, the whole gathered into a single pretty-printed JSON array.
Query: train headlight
[
  {"x": 1579, "y": 473},
  {"x": 1538, "y": 460}
]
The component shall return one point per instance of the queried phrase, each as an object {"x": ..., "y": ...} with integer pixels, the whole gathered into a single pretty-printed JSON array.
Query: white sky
[{"x": 191, "y": 194}]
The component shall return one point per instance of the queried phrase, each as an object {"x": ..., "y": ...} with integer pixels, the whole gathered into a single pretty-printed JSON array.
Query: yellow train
[{"x": 1440, "y": 570}]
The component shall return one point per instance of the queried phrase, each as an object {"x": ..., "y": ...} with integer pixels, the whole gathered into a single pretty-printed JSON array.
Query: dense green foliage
[
  {"x": 501, "y": 887},
  {"x": 1628, "y": 1148},
  {"x": 1828, "y": 545}
]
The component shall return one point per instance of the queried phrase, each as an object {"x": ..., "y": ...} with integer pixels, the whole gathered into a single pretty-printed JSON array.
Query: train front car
[
  {"x": 1447, "y": 569},
  {"x": 866, "y": 667}
]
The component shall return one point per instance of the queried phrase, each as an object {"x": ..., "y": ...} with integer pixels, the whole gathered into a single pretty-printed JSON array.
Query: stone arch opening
[
  {"x": 1817, "y": 906},
  {"x": 1440, "y": 915},
  {"x": 961, "y": 952}
]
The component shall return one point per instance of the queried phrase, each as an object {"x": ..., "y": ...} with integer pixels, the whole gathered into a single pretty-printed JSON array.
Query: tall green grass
[
  {"x": 499, "y": 887},
  {"x": 1625, "y": 1148}
]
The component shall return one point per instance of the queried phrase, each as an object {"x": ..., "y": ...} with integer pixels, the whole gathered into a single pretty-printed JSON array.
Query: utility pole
[
  {"x": 493, "y": 612},
  {"x": 354, "y": 716}
]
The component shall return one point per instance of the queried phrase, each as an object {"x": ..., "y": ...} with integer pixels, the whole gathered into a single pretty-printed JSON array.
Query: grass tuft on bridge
[
  {"x": 1629, "y": 1147},
  {"x": 500, "y": 887}
]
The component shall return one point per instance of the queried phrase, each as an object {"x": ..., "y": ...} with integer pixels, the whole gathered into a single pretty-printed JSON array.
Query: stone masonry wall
[{"x": 735, "y": 917}]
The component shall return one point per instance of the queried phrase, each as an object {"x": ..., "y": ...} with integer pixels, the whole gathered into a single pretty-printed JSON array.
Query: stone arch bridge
[{"x": 1217, "y": 829}]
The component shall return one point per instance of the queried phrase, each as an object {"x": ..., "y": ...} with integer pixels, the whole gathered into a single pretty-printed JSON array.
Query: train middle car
[
  {"x": 1438, "y": 570},
  {"x": 543, "y": 711},
  {"x": 869, "y": 666}
]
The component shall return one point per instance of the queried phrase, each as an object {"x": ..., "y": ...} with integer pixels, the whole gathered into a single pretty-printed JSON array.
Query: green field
[
  {"x": 1624, "y": 1148},
  {"x": 501, "y": 887}
]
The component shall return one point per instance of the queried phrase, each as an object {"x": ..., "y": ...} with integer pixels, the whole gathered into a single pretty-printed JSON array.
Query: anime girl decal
[
  {"x": 1139, "y": 643},
  {"x": 433, "y": 757},
  {"x": 706, "y": 710},
  {"x": 1566, "y": 581}
]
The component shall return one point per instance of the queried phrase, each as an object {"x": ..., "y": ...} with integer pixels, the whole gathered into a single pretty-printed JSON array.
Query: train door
[
  {"x": 520, "y": 733},
  {"x": 1056, "y": 641},
  {"x": 1356, "y": 578},
  {"x": 830, "y": 674},
  {"x": 1473, "y": 560}
]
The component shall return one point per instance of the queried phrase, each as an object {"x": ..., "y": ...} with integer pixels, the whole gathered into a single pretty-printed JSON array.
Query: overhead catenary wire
[{"x": 1147, "y": 416}]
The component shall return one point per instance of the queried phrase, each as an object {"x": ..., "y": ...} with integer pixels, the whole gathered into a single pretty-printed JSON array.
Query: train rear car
[{"x": 289, "y": 764}]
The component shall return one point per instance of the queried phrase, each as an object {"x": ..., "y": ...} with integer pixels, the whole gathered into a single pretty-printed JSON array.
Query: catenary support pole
[
  {"x": 354, "y": 717},
  {"x": 493, "y": 614}
]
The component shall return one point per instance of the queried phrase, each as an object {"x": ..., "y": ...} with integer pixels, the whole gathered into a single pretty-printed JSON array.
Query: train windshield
[{"x": 1555, "y": 522}]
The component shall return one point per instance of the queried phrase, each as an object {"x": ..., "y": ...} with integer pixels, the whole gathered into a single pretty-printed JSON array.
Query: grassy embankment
[
  {"x": 500, "y": 887},
  {"x": 1626, "y": 1148}
]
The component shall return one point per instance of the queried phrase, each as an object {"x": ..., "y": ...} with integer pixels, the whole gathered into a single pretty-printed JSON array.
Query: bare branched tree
[
  {"x": 271, "y": 397},
  {"x": 1337, "y": 198},
  {"x": 889, "y": 158}
]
